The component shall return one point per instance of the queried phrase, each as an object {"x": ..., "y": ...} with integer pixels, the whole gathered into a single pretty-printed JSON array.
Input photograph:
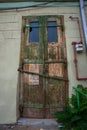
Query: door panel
[{"x": 44, "y": 66}]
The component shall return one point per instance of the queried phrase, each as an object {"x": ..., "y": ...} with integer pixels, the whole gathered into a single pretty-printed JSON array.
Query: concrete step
[{"x": 37, "y": 122}]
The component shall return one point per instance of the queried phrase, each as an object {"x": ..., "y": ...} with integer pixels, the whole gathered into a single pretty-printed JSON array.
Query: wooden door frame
[{"x": 21, "y": 55}]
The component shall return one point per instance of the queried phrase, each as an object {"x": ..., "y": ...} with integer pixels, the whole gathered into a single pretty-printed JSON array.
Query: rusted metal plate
[
  {"x": 32, "y": 79},
  {"x": 56, "y": 69}
]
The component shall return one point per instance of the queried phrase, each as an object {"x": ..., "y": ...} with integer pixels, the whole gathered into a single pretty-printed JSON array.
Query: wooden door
[{"x": 43, "y": 88}]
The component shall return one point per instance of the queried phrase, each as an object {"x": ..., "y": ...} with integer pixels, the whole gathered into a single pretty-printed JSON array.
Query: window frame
[{"x": 60, "y": 25}]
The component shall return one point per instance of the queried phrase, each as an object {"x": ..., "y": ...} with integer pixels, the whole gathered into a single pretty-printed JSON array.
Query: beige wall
[{"x": 10, "y": 40}]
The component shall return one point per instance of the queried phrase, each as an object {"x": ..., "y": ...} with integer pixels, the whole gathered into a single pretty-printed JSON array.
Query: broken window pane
[
  {"x": 52, "y": 31},
  {"x": 34, "y": 32}
]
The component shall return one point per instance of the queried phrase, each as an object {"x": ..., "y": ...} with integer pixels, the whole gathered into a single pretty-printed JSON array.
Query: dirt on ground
[{"x": 21, "y": 127}]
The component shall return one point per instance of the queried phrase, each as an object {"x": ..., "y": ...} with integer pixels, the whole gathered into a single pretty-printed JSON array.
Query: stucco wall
[
  {"x": 10, "y": 34},
  {"x": 10, "y": 40}
]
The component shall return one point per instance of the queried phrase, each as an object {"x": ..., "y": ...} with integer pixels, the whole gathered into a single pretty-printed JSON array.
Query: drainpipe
[{"x": 83, "y": 21}]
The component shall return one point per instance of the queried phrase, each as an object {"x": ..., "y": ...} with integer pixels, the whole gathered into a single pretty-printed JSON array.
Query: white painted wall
[{"x": 10, "y": 40}]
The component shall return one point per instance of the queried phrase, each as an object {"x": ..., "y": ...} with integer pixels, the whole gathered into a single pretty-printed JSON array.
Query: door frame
[{"x": 25, "y": 38}]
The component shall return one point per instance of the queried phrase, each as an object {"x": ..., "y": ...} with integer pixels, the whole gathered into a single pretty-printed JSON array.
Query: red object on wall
[{"x": 76, "y": 63}]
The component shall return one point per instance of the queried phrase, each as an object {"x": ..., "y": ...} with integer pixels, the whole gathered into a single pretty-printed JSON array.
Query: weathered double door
[{"x": 43, "y": 86}]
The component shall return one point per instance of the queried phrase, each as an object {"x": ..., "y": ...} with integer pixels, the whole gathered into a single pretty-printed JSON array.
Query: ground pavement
[{"x": 32, "y": 124}]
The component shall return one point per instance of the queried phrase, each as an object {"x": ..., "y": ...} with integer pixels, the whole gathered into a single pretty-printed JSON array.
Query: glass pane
[
  {"x": 52, "y": 31},
  {"x": 34, "y": 32}
]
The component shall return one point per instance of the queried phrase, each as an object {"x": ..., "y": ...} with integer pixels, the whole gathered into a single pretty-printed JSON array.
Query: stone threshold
[{"x": 37, "y": 122}]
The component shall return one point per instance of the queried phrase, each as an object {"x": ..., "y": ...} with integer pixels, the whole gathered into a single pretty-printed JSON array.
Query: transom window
[{"x": 44, "y": 28}]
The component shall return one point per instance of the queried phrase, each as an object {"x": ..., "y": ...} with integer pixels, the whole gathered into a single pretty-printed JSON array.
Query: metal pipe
[
  {"x": 83, "y": 21},
  {"x": 76, "y": 63},
  {"x": 78, "y": 22}
]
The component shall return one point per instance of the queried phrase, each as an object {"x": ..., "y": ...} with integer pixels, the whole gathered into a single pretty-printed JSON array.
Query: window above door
[
  {"x": 34, "y": 32},
  {"x": 44, "y": 28},
  {"x": 52, "y": 31}
]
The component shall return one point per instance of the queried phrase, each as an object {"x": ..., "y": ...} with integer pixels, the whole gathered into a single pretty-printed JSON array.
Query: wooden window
[
  {"x": 34, "y": 32},
  {"x": 52, "y": 31},
  {"x": 47, "y": 27}
]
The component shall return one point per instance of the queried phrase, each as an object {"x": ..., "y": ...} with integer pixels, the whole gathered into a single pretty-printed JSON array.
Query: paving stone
[{"x": 32, "y": 124}]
